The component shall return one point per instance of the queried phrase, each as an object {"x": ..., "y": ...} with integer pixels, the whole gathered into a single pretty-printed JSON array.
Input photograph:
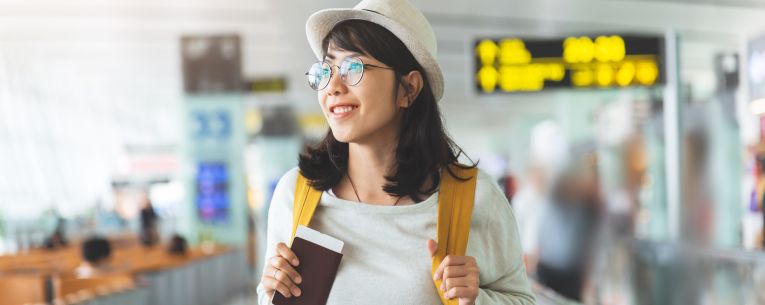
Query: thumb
[{"x": 432, "y": 246}]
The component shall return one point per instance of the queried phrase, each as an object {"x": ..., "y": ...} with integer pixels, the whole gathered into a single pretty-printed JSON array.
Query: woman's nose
[{"x": 336, "y": 85}]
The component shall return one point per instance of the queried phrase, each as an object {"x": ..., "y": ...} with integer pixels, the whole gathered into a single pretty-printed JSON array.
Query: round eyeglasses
[{"x": 351, "y": 71}]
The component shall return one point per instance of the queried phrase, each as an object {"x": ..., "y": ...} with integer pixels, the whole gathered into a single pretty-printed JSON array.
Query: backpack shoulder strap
[
  {"x": 306, "y": 200},
  {"x": 455, "y": 213}
]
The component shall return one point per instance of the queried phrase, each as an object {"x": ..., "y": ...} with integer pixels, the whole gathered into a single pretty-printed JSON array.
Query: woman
[{"x": 379, "y": 169}]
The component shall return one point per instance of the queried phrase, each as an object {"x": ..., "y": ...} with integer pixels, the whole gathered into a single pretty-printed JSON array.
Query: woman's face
[{"x": 367, "y": 112}]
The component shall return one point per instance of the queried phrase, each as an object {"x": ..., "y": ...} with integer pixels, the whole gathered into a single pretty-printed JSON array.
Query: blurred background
[{"x": 140, "y": 142}]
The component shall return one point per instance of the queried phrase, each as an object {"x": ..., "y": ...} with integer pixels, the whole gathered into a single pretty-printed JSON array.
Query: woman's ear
[{"x": 412, "y": 83}]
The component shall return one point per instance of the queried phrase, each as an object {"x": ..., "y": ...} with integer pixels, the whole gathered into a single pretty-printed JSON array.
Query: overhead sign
[
  {"x": 266, "y": 85},
  {"x": 214, "y": 123},
  {"x": 211, "y": 63},
  {"x": 607, "y": 61}
]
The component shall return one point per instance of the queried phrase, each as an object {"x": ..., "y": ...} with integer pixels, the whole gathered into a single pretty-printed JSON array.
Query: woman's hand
[
  {"x": 459, "y": 275},
  {"x": 280, "y": 274}
]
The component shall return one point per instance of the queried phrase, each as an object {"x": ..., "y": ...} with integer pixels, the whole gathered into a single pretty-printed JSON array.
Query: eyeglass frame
[{"x": 332, "y": 71}]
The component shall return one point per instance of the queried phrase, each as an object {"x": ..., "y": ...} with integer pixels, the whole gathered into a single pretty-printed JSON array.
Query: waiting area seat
[
  {"x": 22, "y": 289},
  {"x": 136, "y": 275}
]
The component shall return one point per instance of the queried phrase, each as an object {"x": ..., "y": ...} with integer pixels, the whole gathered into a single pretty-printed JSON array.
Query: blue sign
[{"x": 211, "y": 124}]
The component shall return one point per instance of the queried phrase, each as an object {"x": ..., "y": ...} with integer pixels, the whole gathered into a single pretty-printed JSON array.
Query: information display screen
[
  {"x": 606, "y": 61},
  {"x": 212, "y": 194}
]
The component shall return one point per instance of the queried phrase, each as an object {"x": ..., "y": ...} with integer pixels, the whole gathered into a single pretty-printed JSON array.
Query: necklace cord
[{"x": 357, "y": 193}]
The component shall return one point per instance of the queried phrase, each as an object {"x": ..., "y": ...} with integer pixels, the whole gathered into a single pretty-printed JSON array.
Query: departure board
[{"x": 507, "y": 65}]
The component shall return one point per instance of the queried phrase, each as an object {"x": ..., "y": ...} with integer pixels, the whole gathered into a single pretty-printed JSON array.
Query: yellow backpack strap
[
  {"x": 455, "y": 213},
  {"x": 306, "y": 200}
]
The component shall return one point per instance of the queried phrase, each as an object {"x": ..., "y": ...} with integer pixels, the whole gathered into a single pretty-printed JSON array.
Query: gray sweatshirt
[{"x": 385, "y": 257}]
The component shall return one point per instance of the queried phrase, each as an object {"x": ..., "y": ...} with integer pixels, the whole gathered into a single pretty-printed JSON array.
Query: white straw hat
[{"x": 398, "y": 16}]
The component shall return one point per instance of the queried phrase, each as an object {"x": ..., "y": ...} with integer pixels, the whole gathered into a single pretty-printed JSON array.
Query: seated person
[
  {"x": 96, "y": 254},
  {"x": 178, "y": 246},
  {"x": 56, "y": 241}
]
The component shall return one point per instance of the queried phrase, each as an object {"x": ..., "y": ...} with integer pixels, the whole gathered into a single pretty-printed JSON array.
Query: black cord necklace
[{"x": 357, "y": 193}]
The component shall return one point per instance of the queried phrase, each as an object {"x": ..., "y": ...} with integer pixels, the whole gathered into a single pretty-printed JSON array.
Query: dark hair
[
  {"x": 96, "y": 249},
  {"x": 178, "y": 245},
  {"x": 56, "y": 240},
  {"x": 423, "y": 148}
]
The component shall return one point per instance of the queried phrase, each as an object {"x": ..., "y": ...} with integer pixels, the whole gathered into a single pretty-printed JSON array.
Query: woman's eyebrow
[{"x": 354, "y": 54}]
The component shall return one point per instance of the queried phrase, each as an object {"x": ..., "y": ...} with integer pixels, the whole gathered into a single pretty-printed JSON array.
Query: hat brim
[{"x": 322, "y": 22}]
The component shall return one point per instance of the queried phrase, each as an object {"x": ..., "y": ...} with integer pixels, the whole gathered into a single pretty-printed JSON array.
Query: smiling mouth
[{"x": 342, "y": 109}]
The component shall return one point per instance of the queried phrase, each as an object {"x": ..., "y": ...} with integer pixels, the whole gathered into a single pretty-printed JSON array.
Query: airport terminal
[{"x": 483, "y": 152}]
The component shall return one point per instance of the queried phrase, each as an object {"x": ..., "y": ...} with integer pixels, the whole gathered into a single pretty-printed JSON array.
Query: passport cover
[{"x": 318, "y": 267}]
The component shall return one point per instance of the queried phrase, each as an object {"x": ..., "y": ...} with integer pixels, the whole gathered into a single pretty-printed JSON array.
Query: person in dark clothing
[
  {"x": 178, "y": 246},
  {"x": 96, "y": 253},
  {"x": 568, "y": 229},
  {"x": 56, "y": 241},
  {"x": 149, "y": 223},
  {"x": 96, "y": 250}
]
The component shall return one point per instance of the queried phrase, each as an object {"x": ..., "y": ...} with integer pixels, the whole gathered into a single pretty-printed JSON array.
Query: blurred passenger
[
  {"x": 509, "y": 185},
  {"x": 698, "y": 208},
  {"x": 96, "y": 255},
  {"x": 149, "y": 224},
  {"x": 615, "y": 269},
  {"x": 178, "y": 246},
  {"x": 528, "y": 205},
  {"x": 547, "y": 154},
  {"x": 759, "y": 193},
  {"x": 56, "y": 241},
  {"x": 568, "y": 229},
  {"x": 624, "y": 201}
]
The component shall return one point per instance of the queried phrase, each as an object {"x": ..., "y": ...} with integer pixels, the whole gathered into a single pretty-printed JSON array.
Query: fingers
[
  {"x": 281, "y": 264},
  {"x": 455, "y": 271},
  {"x": 460, "y": 276},
  {"x": 279, "y": 280},
  {"x": 462, "y": 292},
  {"x": 271, "y": 284},
  {"x": 452, "y": 261},
  {"x": 280, "y": 275},
  {"x": 286, "y": 281},
  {"x": 450, "y": 283},
  {"x": 432, "y": 247},
  {"x": 285, "y": 252}
]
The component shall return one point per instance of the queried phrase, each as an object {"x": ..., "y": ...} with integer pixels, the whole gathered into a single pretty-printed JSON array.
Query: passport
[{"x": 319, "y": 255}]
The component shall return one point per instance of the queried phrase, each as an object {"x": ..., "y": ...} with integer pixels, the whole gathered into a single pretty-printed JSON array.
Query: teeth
[{"x": 342, "y": 109}]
